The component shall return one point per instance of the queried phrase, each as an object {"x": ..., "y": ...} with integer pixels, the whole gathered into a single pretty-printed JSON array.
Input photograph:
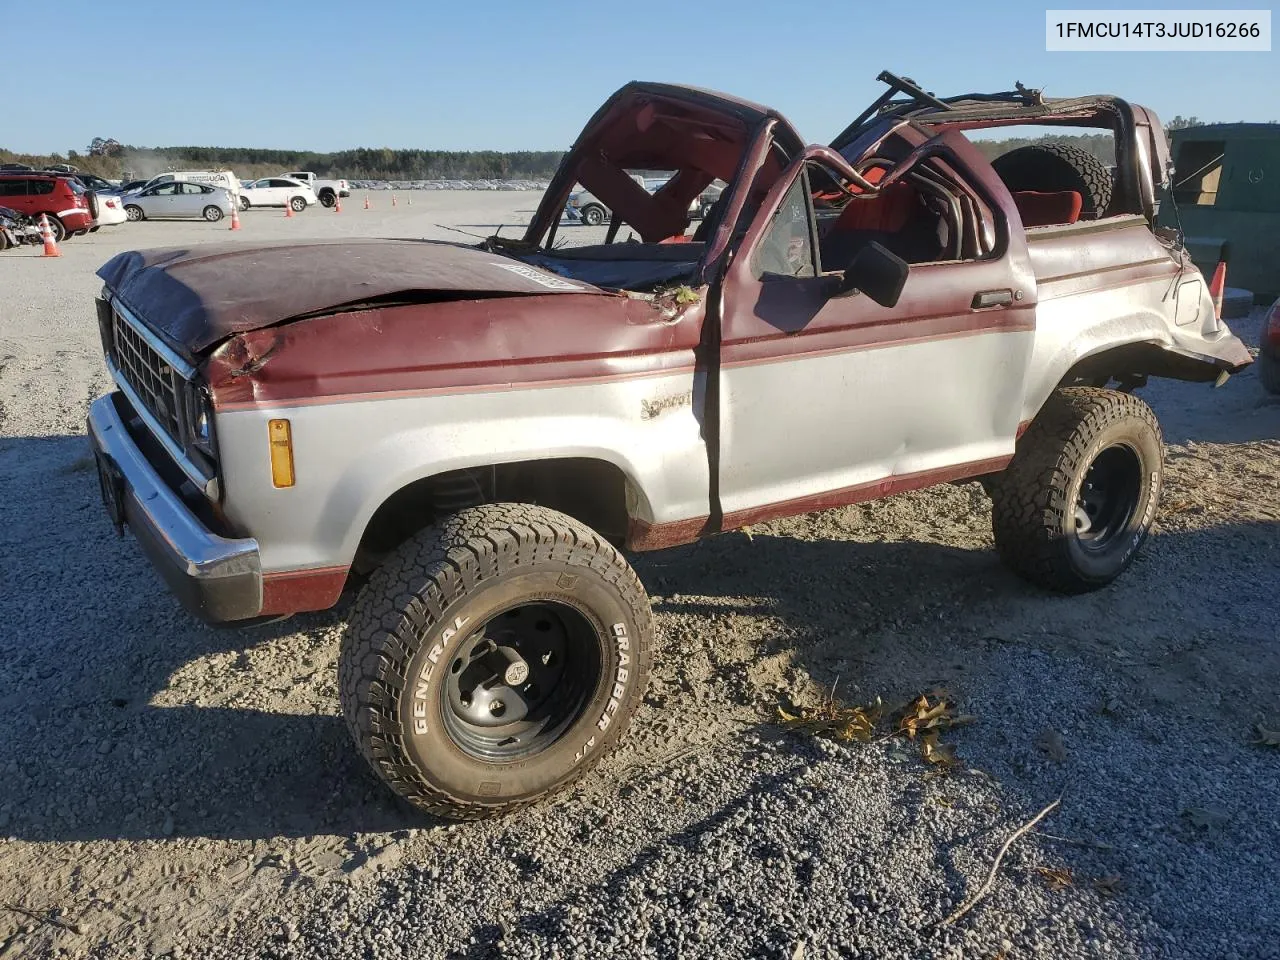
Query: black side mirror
[{"x": 877, "y": 272}]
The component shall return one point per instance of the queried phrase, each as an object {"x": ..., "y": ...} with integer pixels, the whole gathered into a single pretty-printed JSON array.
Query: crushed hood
[{"x": 195, "y": 298}]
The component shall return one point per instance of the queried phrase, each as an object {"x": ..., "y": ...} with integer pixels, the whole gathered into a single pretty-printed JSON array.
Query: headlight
[{"x": 200, "y": 420}]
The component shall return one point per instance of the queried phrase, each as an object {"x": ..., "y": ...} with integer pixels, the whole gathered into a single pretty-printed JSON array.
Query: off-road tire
[
  {"x": 593, "y": 215},
  {"x": 1269, "y": 372},
  {"x": 328, "y": 198},
  {"x": 474, "y": 565},
  {"x": 1034, "y": 500},
  {"x": 1058, "y": 166}
]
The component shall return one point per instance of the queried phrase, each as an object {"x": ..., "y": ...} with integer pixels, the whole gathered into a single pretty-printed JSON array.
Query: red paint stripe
[
  {"x": 862, "y": 492},
  {"x": 642, "y": 535},
  {"x": 285, "y": 401}
]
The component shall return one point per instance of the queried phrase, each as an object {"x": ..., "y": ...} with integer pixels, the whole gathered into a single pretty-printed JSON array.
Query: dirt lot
[{"x": 168, "y": 789}]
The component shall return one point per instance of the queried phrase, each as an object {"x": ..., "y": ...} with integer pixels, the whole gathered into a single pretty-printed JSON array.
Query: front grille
[{"x": 155, "y": 382}]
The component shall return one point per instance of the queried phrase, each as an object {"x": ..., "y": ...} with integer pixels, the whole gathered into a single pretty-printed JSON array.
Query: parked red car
[{"x": 70, "y": 208}]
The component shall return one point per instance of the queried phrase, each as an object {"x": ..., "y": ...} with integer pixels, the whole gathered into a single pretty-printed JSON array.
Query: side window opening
[
  {"x": 788, "y": 249},
  {"x": 925, "y": 216},
  {"x": 1199, "y": 172}
]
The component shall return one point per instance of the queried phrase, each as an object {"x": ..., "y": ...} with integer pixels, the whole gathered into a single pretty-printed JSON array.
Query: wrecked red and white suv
[{"x": 470, "y": 436}]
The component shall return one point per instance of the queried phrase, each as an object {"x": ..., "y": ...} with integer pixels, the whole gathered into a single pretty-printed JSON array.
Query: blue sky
[{"x": 513, "y": 75}]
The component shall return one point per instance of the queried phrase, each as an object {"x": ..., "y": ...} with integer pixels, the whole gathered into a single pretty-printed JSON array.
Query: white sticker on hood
[{"x": 538, "y": 277}]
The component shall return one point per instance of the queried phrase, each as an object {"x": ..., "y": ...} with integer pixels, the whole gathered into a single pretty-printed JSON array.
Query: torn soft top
[{"x": 195, "y": 298}]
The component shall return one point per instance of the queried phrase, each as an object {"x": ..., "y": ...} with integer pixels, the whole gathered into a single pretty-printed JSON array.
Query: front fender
[{"x": 350, "y": 457}]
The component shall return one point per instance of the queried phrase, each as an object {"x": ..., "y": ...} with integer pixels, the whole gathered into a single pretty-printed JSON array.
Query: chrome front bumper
[{"x": 217, "y": 579}]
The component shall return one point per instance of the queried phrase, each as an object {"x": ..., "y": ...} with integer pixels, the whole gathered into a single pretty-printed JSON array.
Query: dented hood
[{"x": 195, "y": 298}]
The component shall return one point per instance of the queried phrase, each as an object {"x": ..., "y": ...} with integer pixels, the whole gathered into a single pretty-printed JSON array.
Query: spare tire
[{"x": 1058, "y": 166}]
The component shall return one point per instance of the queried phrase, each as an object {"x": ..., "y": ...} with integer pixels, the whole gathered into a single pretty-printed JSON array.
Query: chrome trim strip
[
  {"x": 205, "y": 484},
  {"x": 198, "y": 552},
  {"x": 184, "y": 369}
]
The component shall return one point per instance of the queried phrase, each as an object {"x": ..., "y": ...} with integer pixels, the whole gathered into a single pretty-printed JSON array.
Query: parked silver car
[{"x": 178, "y": 198}]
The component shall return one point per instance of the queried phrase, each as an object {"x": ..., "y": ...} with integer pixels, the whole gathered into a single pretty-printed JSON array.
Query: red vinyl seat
[{"x": 1042, "y": 208}]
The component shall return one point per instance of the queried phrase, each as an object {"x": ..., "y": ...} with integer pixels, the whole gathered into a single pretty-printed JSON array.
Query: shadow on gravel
[{"x": 91, "y": 636}]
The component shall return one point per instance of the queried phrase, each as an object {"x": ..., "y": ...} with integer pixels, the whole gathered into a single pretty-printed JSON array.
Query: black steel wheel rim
[
  {"x": 1109, "y": 497},
  {"x": 516, "y": 684}
]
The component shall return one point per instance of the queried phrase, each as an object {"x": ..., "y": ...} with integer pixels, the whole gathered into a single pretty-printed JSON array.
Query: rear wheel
[
  {"x": 494, "y": 659},
  {"x": 244, "y": 202},
  {"x": 1077, "y": 501},
  {"x": 298, "y": 204},
  {"x": 213, "y": 214},
  {"x": 328, "y": 198},
  {"x": 593, "y": 215},
  {"x": 1058, "y": 166},
  {"x": 56, "y": 227},
  {"x": 134, "y": 212}
]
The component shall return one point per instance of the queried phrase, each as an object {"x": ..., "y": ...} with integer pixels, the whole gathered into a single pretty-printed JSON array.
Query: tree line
[{"x": 111, "y": 159}]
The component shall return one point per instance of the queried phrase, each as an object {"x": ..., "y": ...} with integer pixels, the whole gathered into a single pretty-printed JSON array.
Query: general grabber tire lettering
[
  {"x": 1079, "y": 497},
  {"x": 494, "y": 659}
]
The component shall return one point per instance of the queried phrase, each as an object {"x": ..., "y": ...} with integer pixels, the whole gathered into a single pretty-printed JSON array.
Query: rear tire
[
  {"x": 494, "y": 659},
  {"x": 1078, "y": 500},
  {"x": 593, "y": 215},
  {"x": 213, "y": 214},
  {"x": 56, "y": 227},
  {"x": 328, "y": 198},
  {"x": 244, "y": 203},
  {"x": 1058, "y": 166},
  {"x": 298, "y": 204},
  {"x": 134, "y": 213}
]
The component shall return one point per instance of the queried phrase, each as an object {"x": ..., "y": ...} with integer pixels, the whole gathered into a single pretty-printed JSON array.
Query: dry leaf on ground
[
  {"x": 1056, "y": 877},
  {"x": 1051, "y": 743},
  {"x": 1110, "y": 885},
  {"x": 1267, "y": 738}
]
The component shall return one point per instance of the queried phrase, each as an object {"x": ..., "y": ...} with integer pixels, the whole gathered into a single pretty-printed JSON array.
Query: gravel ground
[{"x": 172, "y": 790}]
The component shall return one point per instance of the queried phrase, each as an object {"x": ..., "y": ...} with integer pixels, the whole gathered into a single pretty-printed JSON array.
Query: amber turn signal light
[{"x": 280, "y": 439}]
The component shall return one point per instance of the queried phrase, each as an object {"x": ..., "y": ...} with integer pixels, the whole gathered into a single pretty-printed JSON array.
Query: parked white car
[
  {"x": 178, "y": 199},
  {"x": 276, "y": 192},
  {"x": 329, "y": 191},
  {"x": 110, "y": 211}
]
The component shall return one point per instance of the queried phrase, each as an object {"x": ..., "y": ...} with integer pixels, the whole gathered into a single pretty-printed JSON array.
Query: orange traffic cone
[
  {"x": 367, "y": 204},
  {"x": 393, "y": 199},
  {"x": 337, "y": 206},
  {"x": 288, "y": 207},
  {"x": 235, "y": 214},
  {"x": 46, "y": 233},
  {"x": 1218, "y": 287}
]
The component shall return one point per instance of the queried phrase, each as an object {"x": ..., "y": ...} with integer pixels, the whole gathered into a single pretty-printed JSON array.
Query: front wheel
[
  {"x": 212, "y": 214},
  {"x": 593, "y": 215},
  {"x": 494, "y": 659},
  {"x": 134, "y": 212},
  {"x": 1077, "y": 501}
]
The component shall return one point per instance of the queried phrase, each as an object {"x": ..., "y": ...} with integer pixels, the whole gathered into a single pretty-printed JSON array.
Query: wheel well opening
[
  {"x": 594, "y": 492},
  {"x": 1131, "y": 364}
]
